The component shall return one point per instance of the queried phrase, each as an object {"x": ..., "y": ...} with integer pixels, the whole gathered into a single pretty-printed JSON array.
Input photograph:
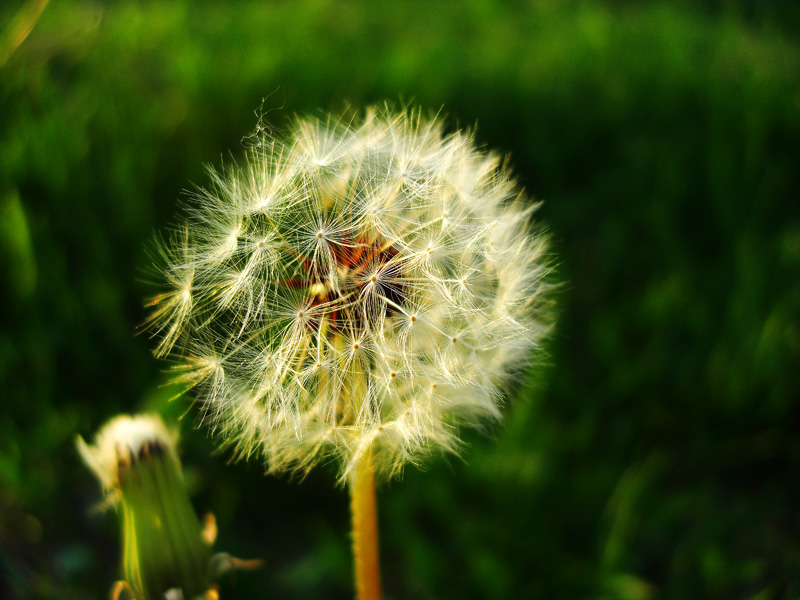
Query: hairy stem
[{"x": 365, "y": 530}]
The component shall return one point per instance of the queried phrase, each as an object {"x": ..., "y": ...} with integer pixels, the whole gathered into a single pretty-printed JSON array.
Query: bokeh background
[{"x": 653, "y": 453}]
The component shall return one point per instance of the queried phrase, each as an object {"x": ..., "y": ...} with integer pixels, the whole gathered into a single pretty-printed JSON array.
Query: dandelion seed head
[{"x": 369, "y": 284}]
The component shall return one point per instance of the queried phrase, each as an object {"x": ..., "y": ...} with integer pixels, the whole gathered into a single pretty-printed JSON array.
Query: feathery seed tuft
[{"x": 356, "y": 285}]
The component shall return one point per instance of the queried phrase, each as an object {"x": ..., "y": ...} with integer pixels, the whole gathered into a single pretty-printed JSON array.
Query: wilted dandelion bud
[
  {"x": 355, "y": 287},
  {"x": 166, "y": 552}
]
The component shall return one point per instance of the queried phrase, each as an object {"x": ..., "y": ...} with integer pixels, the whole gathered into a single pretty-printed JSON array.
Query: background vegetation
[{"x": 656, "y": 456}]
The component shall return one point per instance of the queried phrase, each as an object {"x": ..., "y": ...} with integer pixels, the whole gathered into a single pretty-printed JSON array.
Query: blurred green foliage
[{"x": 656, "y": 455}]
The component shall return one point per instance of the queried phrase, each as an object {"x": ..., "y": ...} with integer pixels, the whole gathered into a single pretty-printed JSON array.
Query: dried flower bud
[{"x": 164, "y": 548}]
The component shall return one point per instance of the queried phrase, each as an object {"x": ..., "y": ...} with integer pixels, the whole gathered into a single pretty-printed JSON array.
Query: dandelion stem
[{"x": 365, "y": 530}]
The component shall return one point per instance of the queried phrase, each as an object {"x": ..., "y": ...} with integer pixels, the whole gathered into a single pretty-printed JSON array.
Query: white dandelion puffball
[{"x": 363, "y": 285}]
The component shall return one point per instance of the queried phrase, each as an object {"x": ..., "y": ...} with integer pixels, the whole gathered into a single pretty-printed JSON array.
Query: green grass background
[{"x": 654, "y": 455}]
